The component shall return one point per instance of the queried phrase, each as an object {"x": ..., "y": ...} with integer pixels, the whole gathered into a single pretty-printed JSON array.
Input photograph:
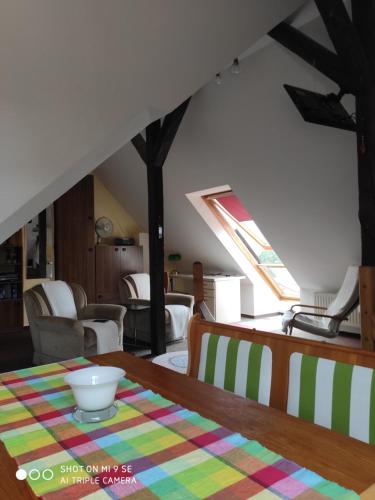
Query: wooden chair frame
[{"x": 281, "y": 346}]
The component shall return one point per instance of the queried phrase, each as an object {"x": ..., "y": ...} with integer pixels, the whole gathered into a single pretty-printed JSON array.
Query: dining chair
[
  {"x": 235, "y": 365},
  {"x": 333, "y": 394}
]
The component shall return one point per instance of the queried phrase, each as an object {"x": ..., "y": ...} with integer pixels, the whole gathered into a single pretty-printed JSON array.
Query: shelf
[{"x": 10, "y": 300}]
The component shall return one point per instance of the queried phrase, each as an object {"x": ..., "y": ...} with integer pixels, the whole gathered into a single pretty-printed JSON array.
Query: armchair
[
  {"x": 135, "y": 290},
  {"x": 63, "y": 326},
  {"x": 326, "y": 323}
]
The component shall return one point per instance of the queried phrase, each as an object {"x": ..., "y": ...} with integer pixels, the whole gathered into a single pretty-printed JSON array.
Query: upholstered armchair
[
  {"x": 64, "y": 326},
  {"x": 135, "y": 290}
]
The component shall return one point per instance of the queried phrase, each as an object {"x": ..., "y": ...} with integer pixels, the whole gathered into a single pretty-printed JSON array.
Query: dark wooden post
[
  {"x": 198, "y": 286},
  {"x": 156, "y": 240},
  {"x": 367, "y": 301},
  {"x": 364, "y": 20},
  {"x": 154, "y": 151}
]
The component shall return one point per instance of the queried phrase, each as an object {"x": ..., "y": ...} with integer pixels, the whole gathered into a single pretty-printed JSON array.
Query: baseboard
[
  {"x": 352, "y": 334},
  {"x": 260, "y": 316}
]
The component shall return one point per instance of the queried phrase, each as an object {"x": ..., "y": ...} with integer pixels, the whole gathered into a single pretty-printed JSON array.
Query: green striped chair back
[
  {"x": 239, "y": 366},
  {"x": 336, "y": 395}
]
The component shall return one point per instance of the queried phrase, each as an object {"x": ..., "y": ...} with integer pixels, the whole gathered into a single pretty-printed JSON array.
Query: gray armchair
[
  {"x": 63, "y": 326},
  {"x": 135, "y": 291}
]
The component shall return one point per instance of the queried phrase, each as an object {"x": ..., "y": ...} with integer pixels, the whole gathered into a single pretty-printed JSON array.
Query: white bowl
[{"x": 94, "y": 388}]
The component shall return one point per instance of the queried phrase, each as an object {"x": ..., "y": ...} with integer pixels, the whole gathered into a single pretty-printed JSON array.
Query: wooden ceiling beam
[
  {"x": 140, "y": 145},
  {"x": 168, "y": 132},
  {"x": 318, "y": 56},
  {"x": 152, "y": 141},
  {"x": 343, "y": 35}
]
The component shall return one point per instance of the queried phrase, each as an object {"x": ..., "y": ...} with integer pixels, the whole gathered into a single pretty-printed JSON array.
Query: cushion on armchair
[
  {"x": 138, "y": 285},
  {"x": 61, "y": 299}
]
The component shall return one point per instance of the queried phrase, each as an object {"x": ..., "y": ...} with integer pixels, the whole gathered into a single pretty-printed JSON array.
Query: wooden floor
[
  {"x": 16, "y": 350},
  {"x": 268, "y": 324},
  {"x": 273, "y": 324}
]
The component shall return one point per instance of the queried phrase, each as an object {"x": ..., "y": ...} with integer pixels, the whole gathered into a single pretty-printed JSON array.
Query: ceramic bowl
[{"x": 94, "y": 388}]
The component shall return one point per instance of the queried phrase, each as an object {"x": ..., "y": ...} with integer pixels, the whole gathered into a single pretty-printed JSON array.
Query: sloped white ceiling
[
  {"x": 298, "y": 180},
  {"x": 79, "y": 78}
]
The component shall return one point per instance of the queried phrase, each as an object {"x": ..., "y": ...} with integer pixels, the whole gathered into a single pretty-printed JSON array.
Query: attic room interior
[{"x": 187, "y": 249}]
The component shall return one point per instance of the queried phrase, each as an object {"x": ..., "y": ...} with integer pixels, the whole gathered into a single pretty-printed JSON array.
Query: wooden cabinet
[
  {"x": 107, "y": 272},
  {"x": 96, "y": 268},
  {"x": 75, "y": 236},
  {"x": 111, "y": 263},
  {"x": 11, "y": 277}
]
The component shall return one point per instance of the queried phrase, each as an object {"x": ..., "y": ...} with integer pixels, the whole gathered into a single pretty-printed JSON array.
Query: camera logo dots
[
  {"x": 47, "y": 474},
  {"x": 21, "y": 474},
  {"x": 35, "y": 474}
]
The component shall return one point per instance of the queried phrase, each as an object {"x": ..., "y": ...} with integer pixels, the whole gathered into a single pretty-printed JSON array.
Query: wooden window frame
[{"x": 209, "y": 201}]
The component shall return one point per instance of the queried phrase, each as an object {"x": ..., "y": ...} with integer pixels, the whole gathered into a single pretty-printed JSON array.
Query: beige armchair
[
  {"x": 63, "y": 326},
  {"x": 135, "y": 290}
]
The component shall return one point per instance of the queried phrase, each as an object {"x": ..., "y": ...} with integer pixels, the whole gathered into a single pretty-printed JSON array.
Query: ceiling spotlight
[
  {"x": 235, "y": 68},
  {"x": 218, "y": 78}
]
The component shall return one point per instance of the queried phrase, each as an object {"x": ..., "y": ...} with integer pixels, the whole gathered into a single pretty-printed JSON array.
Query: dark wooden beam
[
  {"x": 318, "y": 56},
  {"x": 154, "y": 151},
  {"x": 168, "y": 132},
  {"x": 156, "y": 240},
  {"x": 198, "y": 286},
  {"x": 140, "y": 145},
  {"x": 156, "y": 251},
  {"x": 364, "y": 21},
  {"x": 343, "y": 35},
  {"x": 152, "y": 141}
]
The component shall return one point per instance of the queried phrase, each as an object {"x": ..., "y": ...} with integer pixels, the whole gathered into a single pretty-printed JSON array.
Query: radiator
[{"x": 354, "y": 321}]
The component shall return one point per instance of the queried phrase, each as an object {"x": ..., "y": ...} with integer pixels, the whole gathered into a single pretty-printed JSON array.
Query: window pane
[
  {"x": 284, "y": 280},
  {"x": 260, "y": 250}
]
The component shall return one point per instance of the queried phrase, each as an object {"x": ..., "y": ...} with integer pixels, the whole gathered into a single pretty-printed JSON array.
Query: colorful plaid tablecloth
[{"x": 152, "y": 448}]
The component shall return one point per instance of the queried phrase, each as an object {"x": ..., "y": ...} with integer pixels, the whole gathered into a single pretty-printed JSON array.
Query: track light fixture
[{"x": 235, "y": 68}]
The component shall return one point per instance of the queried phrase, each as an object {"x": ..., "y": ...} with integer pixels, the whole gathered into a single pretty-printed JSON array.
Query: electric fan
[{"x": 103, "y": 228}]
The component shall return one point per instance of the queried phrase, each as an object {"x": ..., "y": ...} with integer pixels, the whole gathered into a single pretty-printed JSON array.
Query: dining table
[{"x": 338, "y": 458}]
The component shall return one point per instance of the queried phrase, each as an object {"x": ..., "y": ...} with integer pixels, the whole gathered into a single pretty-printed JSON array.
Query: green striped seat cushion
[
  {"x": 336, "y": 395},
  {"x": 238, "y": 366}
]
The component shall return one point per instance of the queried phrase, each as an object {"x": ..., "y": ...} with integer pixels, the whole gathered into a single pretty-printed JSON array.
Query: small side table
[{"x": 132, "y": 313}]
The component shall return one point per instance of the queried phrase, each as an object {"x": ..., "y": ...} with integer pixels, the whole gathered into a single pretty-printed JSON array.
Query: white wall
[
  {"x": 80, "y": 79},
  {"x": 298, "y": 180}
]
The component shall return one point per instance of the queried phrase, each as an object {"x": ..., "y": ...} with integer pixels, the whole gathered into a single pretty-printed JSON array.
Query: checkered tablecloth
[{"x": 152, "y": 448}]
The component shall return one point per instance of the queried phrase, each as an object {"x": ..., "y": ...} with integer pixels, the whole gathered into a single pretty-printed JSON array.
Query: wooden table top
[{"x": 336, "y": 457}]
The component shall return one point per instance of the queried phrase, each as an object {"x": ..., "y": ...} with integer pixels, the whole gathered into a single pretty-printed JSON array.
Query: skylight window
[{"x": 240, "y": 225}]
